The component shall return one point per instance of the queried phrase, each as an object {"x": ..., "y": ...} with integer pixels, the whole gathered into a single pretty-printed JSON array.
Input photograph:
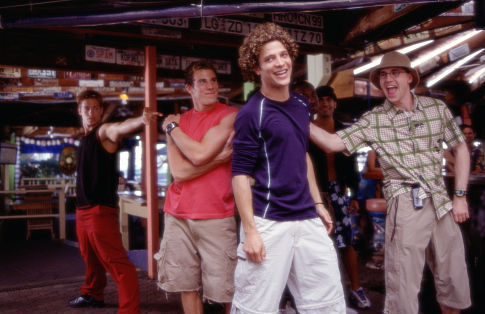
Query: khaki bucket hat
[{"x": 394, "y": 59}]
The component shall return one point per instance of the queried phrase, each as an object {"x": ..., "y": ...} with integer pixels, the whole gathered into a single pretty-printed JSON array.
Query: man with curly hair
[{"x": 285, "y": 226}]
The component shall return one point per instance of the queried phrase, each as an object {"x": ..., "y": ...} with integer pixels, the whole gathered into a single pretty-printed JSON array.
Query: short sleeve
[{"x": 355, "y": 136}]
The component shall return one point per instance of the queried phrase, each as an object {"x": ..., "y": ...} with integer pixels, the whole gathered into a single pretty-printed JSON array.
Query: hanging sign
[
  {"x": 100, "y": 54},
  {"x": 77, "y": 75},
  {"x": 229, "y": 26},
  {"x": 170, "y": 21},
  {"x": 63, "y": 95},
  {"x": 130, "y": 57},
  {"x": 168, "y": 62},
  {"x": 300, "y": 19},
  {"x": 9, "y": 96},
  {"x": 121, "y": 84},
  {"x": 9, "y": 72},
  {"x": 41, "y": 73},
  {"x": 91, "y": 83}
]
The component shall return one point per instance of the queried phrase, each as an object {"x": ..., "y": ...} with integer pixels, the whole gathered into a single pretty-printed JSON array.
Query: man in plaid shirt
[{"x": 407, "y": 132}]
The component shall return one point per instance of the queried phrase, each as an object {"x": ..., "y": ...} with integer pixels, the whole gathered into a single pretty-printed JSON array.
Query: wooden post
[{"x": 150, "y": 159}]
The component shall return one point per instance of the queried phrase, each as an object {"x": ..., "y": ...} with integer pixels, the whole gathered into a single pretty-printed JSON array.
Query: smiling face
[
  {"x": 469, "y": 135},
  {"x": 395, "y": 85},
  {"x": 204, "y": 89},
  {"x": 91, "y": 112},
  {"x": 275, "y": 67},
  {"x": 326, "y": 106}
]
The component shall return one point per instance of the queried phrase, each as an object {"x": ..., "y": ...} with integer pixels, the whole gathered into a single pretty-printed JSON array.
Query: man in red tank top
[{"x": 197, "y": 254}]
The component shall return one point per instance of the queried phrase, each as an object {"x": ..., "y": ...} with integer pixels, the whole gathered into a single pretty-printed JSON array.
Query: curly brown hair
[{"x": 251, "y": 47}]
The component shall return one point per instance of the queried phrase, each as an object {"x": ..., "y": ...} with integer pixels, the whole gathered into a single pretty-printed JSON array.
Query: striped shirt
[{"x": 409, "y": 146}]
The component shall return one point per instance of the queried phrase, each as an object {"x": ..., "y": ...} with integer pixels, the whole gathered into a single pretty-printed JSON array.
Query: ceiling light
[
  {"x": 452, "y": 67},
  {"x": 442, "y": 48},
  {"x": 476, "y": 75},
  {"x": 377, "y": 60}
]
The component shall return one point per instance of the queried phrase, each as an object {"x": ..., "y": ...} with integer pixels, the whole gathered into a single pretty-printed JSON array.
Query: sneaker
[{"x": 358, "y": 298}]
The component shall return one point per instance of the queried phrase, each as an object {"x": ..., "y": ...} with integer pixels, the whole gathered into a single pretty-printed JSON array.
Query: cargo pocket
[
  {"x": 161, "y": 260},
  {"x": 230, "y": 269}
]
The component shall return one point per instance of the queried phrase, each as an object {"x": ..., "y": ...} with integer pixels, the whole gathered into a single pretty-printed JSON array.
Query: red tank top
[{"x": 210, "y": 195}]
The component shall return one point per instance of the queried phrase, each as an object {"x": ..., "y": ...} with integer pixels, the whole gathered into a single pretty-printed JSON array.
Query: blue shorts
[{"x": 343, "y": 225}]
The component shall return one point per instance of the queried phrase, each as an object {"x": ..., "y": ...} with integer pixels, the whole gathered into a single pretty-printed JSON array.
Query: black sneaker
[{"x": 86, "y": 301}]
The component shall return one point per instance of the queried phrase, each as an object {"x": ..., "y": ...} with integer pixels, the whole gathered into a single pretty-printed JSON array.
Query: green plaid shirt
[{"x": 409, "y": 146}]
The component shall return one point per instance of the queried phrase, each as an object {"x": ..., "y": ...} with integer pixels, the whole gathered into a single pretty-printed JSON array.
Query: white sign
[
  {"x": 168, "y": 62},
  {"x": 170, "y": 21},
  {"x": 40, "y": 73},
  {"x": 10, "y": 72},
  {"x": 301, "y": 19},
  {"x": 91, "y": 83},
  {"x": 130, "y": 57},
  {"x": 158, "y": 85},
  {"x": 9, "y": 96},
  {"x": 229, "y": 26},
  {"x": 100, "y": 54},
  {"x": 121, "y": 84},
  {"x": 306, "y": 37}
]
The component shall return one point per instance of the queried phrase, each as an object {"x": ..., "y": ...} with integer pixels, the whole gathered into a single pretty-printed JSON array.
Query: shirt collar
[{"x": 392, "y": 111}]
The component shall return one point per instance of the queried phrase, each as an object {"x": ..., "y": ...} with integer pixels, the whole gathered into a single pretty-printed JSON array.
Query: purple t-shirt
[{"x": 270, "y": 145}]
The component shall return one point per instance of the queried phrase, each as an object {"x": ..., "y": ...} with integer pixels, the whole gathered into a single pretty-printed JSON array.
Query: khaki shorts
[
  {"x": 420, "y": 237},
  {"x": 198, "y": 255}
]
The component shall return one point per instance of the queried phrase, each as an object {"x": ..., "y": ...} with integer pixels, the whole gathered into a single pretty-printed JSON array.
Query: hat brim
[{"x": 374, "y": 76}]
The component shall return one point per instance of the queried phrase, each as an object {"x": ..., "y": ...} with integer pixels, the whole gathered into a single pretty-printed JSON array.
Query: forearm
[
  {"x": 202, "y": 152},
  {"x": 330, "y": 143},
  {"x": 244, "y": 202},
  {"x": 182, "y": 169},
  {"x": 190, "y": 148},
  {"x": 462, "y": 166},
  {"x": 119, "y": 130}
]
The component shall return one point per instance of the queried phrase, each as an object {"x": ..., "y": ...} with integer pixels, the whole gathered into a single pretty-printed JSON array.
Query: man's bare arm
[
  {"x": 110, "y": 134},
  {"x": 316, "y": 196},
  {"x": 182, "y": 169},
  {"x": 200, "y": 153},
  {"x": 330, "y": 143},
  {"x": 462, "y": 171},
  {"x": 253, "y": 244}
]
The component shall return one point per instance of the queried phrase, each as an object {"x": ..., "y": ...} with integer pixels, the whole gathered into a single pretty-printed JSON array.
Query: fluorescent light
[
  {"x": 377, "y": 60},
  {"x": 476, "y": 75},
  {"x": 452, "y": 67},
  {"x": 415, "y": 46},
  {"x": 368, "y": 66},
  {"x": 458, "y": 39}
]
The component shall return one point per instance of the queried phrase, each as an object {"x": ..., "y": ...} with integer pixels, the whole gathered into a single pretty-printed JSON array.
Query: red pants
[{"x": 100, "y": 244}]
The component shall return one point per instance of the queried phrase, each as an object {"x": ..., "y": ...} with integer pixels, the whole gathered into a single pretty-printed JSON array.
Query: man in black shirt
[{"x": 97, "y": 225}]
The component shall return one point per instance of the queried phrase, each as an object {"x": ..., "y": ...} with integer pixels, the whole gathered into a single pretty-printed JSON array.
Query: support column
[{"x": 150, "y": 160}]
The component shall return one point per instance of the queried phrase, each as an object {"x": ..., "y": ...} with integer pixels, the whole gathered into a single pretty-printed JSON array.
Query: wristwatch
[
  {"x": 172, "y": 125},
  {"x": 460, "y": 192}
]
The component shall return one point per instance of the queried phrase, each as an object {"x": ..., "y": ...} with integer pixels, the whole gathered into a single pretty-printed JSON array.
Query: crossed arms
[{"x": 189, "y": 159}]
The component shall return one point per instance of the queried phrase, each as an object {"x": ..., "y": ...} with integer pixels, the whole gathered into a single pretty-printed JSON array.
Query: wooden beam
[
  {"x": 376, "y": 19},
  {"x": 150, "y": 159}
]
